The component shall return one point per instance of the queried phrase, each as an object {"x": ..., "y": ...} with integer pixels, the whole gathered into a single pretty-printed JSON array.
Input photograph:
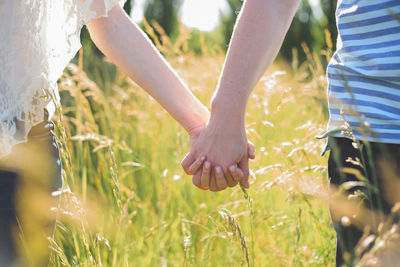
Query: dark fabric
[
  {"x": 10, "y": 181},
  {"x": 371, "y": 157}
]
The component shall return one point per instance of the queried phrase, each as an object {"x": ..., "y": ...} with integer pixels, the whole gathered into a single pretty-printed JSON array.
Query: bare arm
[
  {"x": 125, "y": 44},
  {"x": 256, "y": 40}
]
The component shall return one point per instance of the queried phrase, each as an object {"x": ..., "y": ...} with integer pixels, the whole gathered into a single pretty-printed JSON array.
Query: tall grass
[{"x": 126, "y": 201}]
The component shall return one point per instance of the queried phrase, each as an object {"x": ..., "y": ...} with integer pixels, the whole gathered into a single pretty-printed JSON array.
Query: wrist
[
  {"x": 197, "y": 121},
  {"x": 195, "y": 129},
  {"x": 225, "y": 108}
]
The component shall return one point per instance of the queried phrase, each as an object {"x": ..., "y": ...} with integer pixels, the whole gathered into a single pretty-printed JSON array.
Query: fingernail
[
  {"x": 232, "y": 168},
  {"x": 202, "y": 158},
  {"x": 207, "y": 165},
  {"x": 218, "y": 169}
]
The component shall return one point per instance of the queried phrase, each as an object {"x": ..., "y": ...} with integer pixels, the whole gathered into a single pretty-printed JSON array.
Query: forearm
[
  {"x": 125, "y": 44},
  {"x": 256, "y": 40}
]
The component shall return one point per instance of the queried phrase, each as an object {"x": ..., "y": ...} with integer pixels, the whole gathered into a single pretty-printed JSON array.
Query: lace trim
[
  {"x": 49, "y": 42},
  {"x": 16, "y": 130}
]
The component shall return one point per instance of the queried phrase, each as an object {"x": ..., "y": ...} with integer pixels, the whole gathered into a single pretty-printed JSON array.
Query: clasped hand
[{"x": 219, "y": 154}]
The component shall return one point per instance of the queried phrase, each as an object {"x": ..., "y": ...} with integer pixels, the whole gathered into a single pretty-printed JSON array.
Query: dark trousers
[
  {"x": 377, "y": 162},
  {"x": 23, "y": 174}
]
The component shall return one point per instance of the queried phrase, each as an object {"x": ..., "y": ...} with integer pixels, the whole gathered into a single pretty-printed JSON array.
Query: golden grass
[{"x": 126, "y": 201}]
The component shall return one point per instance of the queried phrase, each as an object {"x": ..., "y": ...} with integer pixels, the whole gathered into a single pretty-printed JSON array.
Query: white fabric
[{"x": 37, "y": 40}]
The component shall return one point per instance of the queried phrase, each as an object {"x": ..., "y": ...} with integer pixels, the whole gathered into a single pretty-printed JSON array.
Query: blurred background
[
  {"x": 125, "y": 199},
  {"x": 210, "y": 23}
]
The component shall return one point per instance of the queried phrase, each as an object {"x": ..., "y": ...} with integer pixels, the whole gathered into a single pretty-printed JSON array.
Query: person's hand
[{"x": 219, "y": 154}]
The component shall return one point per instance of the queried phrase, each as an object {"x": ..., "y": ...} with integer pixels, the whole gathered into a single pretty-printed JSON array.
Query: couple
[{"x": 38, "y": 39}]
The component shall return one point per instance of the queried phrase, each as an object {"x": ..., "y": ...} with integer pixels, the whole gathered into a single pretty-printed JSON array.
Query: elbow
[
  {"x": 103, "y": 29},
  {"x": 98, "y": 30}
]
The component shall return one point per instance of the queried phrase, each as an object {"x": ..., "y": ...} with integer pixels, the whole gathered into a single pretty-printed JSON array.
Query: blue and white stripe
[{"x": 364, "y": 73}]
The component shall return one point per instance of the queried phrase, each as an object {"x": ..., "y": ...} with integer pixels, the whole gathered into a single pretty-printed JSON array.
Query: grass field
[{"x": 127, "y": 202}]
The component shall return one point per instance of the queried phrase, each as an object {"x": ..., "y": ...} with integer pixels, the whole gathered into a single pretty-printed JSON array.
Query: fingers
[
  {"x": 208, "y": 178},
  {"x": 244, "y": 166},
  {"x": 220, "y": 179},
  {"x": 195, "y": 166},
  {"x": 213, "y": 183},
  {"x": 187, "y": 162},
  {"x": 197, "y": 180},
  {"x": 213, "y": 179},
  {"x": 231, "y": 181},
  {"x": 236, "y": 173},
  {"x": 251, "y": 150},
  {"x": 205, "y": 175}
]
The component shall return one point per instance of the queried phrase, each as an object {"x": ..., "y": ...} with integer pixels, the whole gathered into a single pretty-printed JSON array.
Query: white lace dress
[{"x": 38, "y": 38}]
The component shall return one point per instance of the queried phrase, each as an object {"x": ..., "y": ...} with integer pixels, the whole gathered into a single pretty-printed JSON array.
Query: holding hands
[{"x": 220, "y": 151}]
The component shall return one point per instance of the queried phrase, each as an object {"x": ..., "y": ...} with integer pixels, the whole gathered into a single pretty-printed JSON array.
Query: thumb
[{"x": 250, "y": 150}]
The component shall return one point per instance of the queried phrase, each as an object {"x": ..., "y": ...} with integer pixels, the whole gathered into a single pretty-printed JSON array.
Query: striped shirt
[{"x": 364, "y": 73}]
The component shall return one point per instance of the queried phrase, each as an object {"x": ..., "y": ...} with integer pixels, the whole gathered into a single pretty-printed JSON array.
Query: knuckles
[{"x": 232, "y": 184}]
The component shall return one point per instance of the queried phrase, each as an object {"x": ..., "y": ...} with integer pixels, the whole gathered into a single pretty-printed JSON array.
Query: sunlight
[
  {"x": 203, "y": 15},
  {"x": 137, "y": 10}
]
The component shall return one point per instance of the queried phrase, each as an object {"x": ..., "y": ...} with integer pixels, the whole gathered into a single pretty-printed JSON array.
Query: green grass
[{"x": 127, "y": 202}]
